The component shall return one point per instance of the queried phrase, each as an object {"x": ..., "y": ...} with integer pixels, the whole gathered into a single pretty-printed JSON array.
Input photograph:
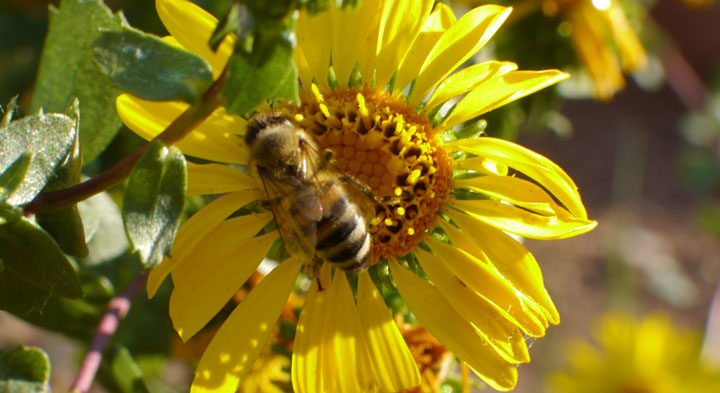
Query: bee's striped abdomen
[{"x": 342, "y": 236}]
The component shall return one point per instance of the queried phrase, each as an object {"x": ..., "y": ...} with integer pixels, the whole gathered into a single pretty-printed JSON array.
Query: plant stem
[
  {"x": 117, "y": 310},
  {"x": 186, "y": 122}
]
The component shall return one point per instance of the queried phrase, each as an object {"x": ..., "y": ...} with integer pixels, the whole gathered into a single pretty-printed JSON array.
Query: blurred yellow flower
[
  {"x": 630, "y": 355},
  {"x": 374, "y": 87},
  {"x": 603, "y": 39}
]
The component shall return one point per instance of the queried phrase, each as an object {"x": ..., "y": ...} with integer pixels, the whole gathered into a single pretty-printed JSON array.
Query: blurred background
[{"x": 646, "y": 159}]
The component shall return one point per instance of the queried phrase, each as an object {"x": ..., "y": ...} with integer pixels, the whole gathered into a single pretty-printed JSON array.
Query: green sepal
[
  {"x": 34, "y": 267},
  {"x": 251, "y": 83},
  {"x": 49, "y": 137},
  {"x": 229, "y": 23},
  {"x": 262, "y": 66},
  {"x": 150, "y": 68},
  {"x": 154, "y": 202},
  {"x": 66, "y": 225},
  {"x": 119, "y": 373},
  {"x": 24, "y": 370},
  {"x": 67, "y": 70}
]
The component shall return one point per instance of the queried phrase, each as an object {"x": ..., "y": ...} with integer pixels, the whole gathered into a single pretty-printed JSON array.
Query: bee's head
[{"x": 274, "y": 143}]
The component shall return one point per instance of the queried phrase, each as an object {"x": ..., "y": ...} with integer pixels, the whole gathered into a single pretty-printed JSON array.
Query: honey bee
[{"x": 320, "y": 211}]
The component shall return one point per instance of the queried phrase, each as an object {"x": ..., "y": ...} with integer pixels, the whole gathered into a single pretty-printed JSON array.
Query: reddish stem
[
  {"x": 186, "y": 122},
  {"x": 117, "y": 310}
]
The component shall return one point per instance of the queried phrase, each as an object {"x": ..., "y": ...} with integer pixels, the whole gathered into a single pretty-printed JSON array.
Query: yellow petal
[
  {"x": 394, "y": 367},
  {"x": 311, "y": 342},
  {"x": 524, "y": 223},
  {"x": 516, "y": 191},
  {"x": 350, "y": 30},
  {"x": 211, "y": 276},
  {"x": 303, "y": 67},
  {"x": 500, "y": 90},
  {"x": 632, "y": 53},
  {"x": 400, "y": 24},
  {"x": 237, "y": 344},
  {"x": 595, "y": 52},
  {"x": 457, "y": 44},
  {"x": 314, "y": 34},
  {"x": 511, "y": 259},
  {"x": 482, "y": 165},
  {"x": 467, "y": 79},
  {"x": 492, "y": 323},
  {"x": 216, "y": 139},
  {"x": 348, "y": 347},
  {"x": 464, "y": 242},
  {"x": 435, "y": 25},
  {"x": 484, "y": 280},
  {"x": 210, "y": 179},
  {"x": 192, "y": 27},
  {"x": 194, "y": 230},
  {"x": 438, "y": 316},
  {"x": 538, "y": 168},
  {"x": 368, "y": 54}
]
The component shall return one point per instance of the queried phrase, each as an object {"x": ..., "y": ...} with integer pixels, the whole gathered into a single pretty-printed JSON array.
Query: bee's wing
[
  {"x": 358, "y": 193},
  {"x": 297, "y": 210}
]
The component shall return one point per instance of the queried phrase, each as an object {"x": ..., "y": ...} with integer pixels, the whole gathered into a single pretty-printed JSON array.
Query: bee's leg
[
  {"x": 392, "y": 199},
  {"x": 266, "y": 204},
  {"x": 328, "y": 154}
]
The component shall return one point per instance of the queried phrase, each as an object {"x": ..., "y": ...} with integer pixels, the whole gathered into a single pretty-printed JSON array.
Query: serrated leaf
[
  {"x": 148, "y": 67},
  {"x": 24, "y": 370},
  {"x": 9, "y": 112},
  {"x": 67, "y": 71},
  {"x": 120, "y": 374},
  {"x": 49, "y": 137},
  {"x": 252, "y": 80},
  {"x": 66, "y": 225},
  {"x": 12, "y": 177},
  {"x": 154, "y": 201},
  {"x": 34, "y": 268}
]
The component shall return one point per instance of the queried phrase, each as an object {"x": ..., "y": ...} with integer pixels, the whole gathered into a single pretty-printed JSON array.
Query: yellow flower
[
  {"x": 597, "y": 28},
  {"x": 480, "y": 291},
  {"x": 650, "y": 355}
]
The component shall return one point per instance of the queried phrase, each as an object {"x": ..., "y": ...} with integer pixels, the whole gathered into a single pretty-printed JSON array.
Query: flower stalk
[
  {"x": 211, "y": 100},
  {"x": 117, "y": 310}
]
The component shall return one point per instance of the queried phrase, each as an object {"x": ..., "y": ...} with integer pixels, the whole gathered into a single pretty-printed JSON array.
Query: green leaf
[
  {"x": 49, "y": 136},
  {"x": 154, "y": 201},
  {"x": 104, "y": 229},
  {"x": 34, "y": 268},
  {"x": 77, "y": 318},
  {"x": 9, "y": 213},
  {"x": 67, "y": 71},
  {"x": 120, "y": 374},
  {"x": 24, "y": 370},
  {"x": 249, "y": 83},
  {"x": 12, "y": 177},
  {"x": 65, "y": 225},
  {"x": 148, "y": 67}
]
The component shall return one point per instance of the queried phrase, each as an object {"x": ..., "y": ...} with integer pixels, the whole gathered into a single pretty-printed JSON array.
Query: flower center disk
[{"x": 389, "y": 147}]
